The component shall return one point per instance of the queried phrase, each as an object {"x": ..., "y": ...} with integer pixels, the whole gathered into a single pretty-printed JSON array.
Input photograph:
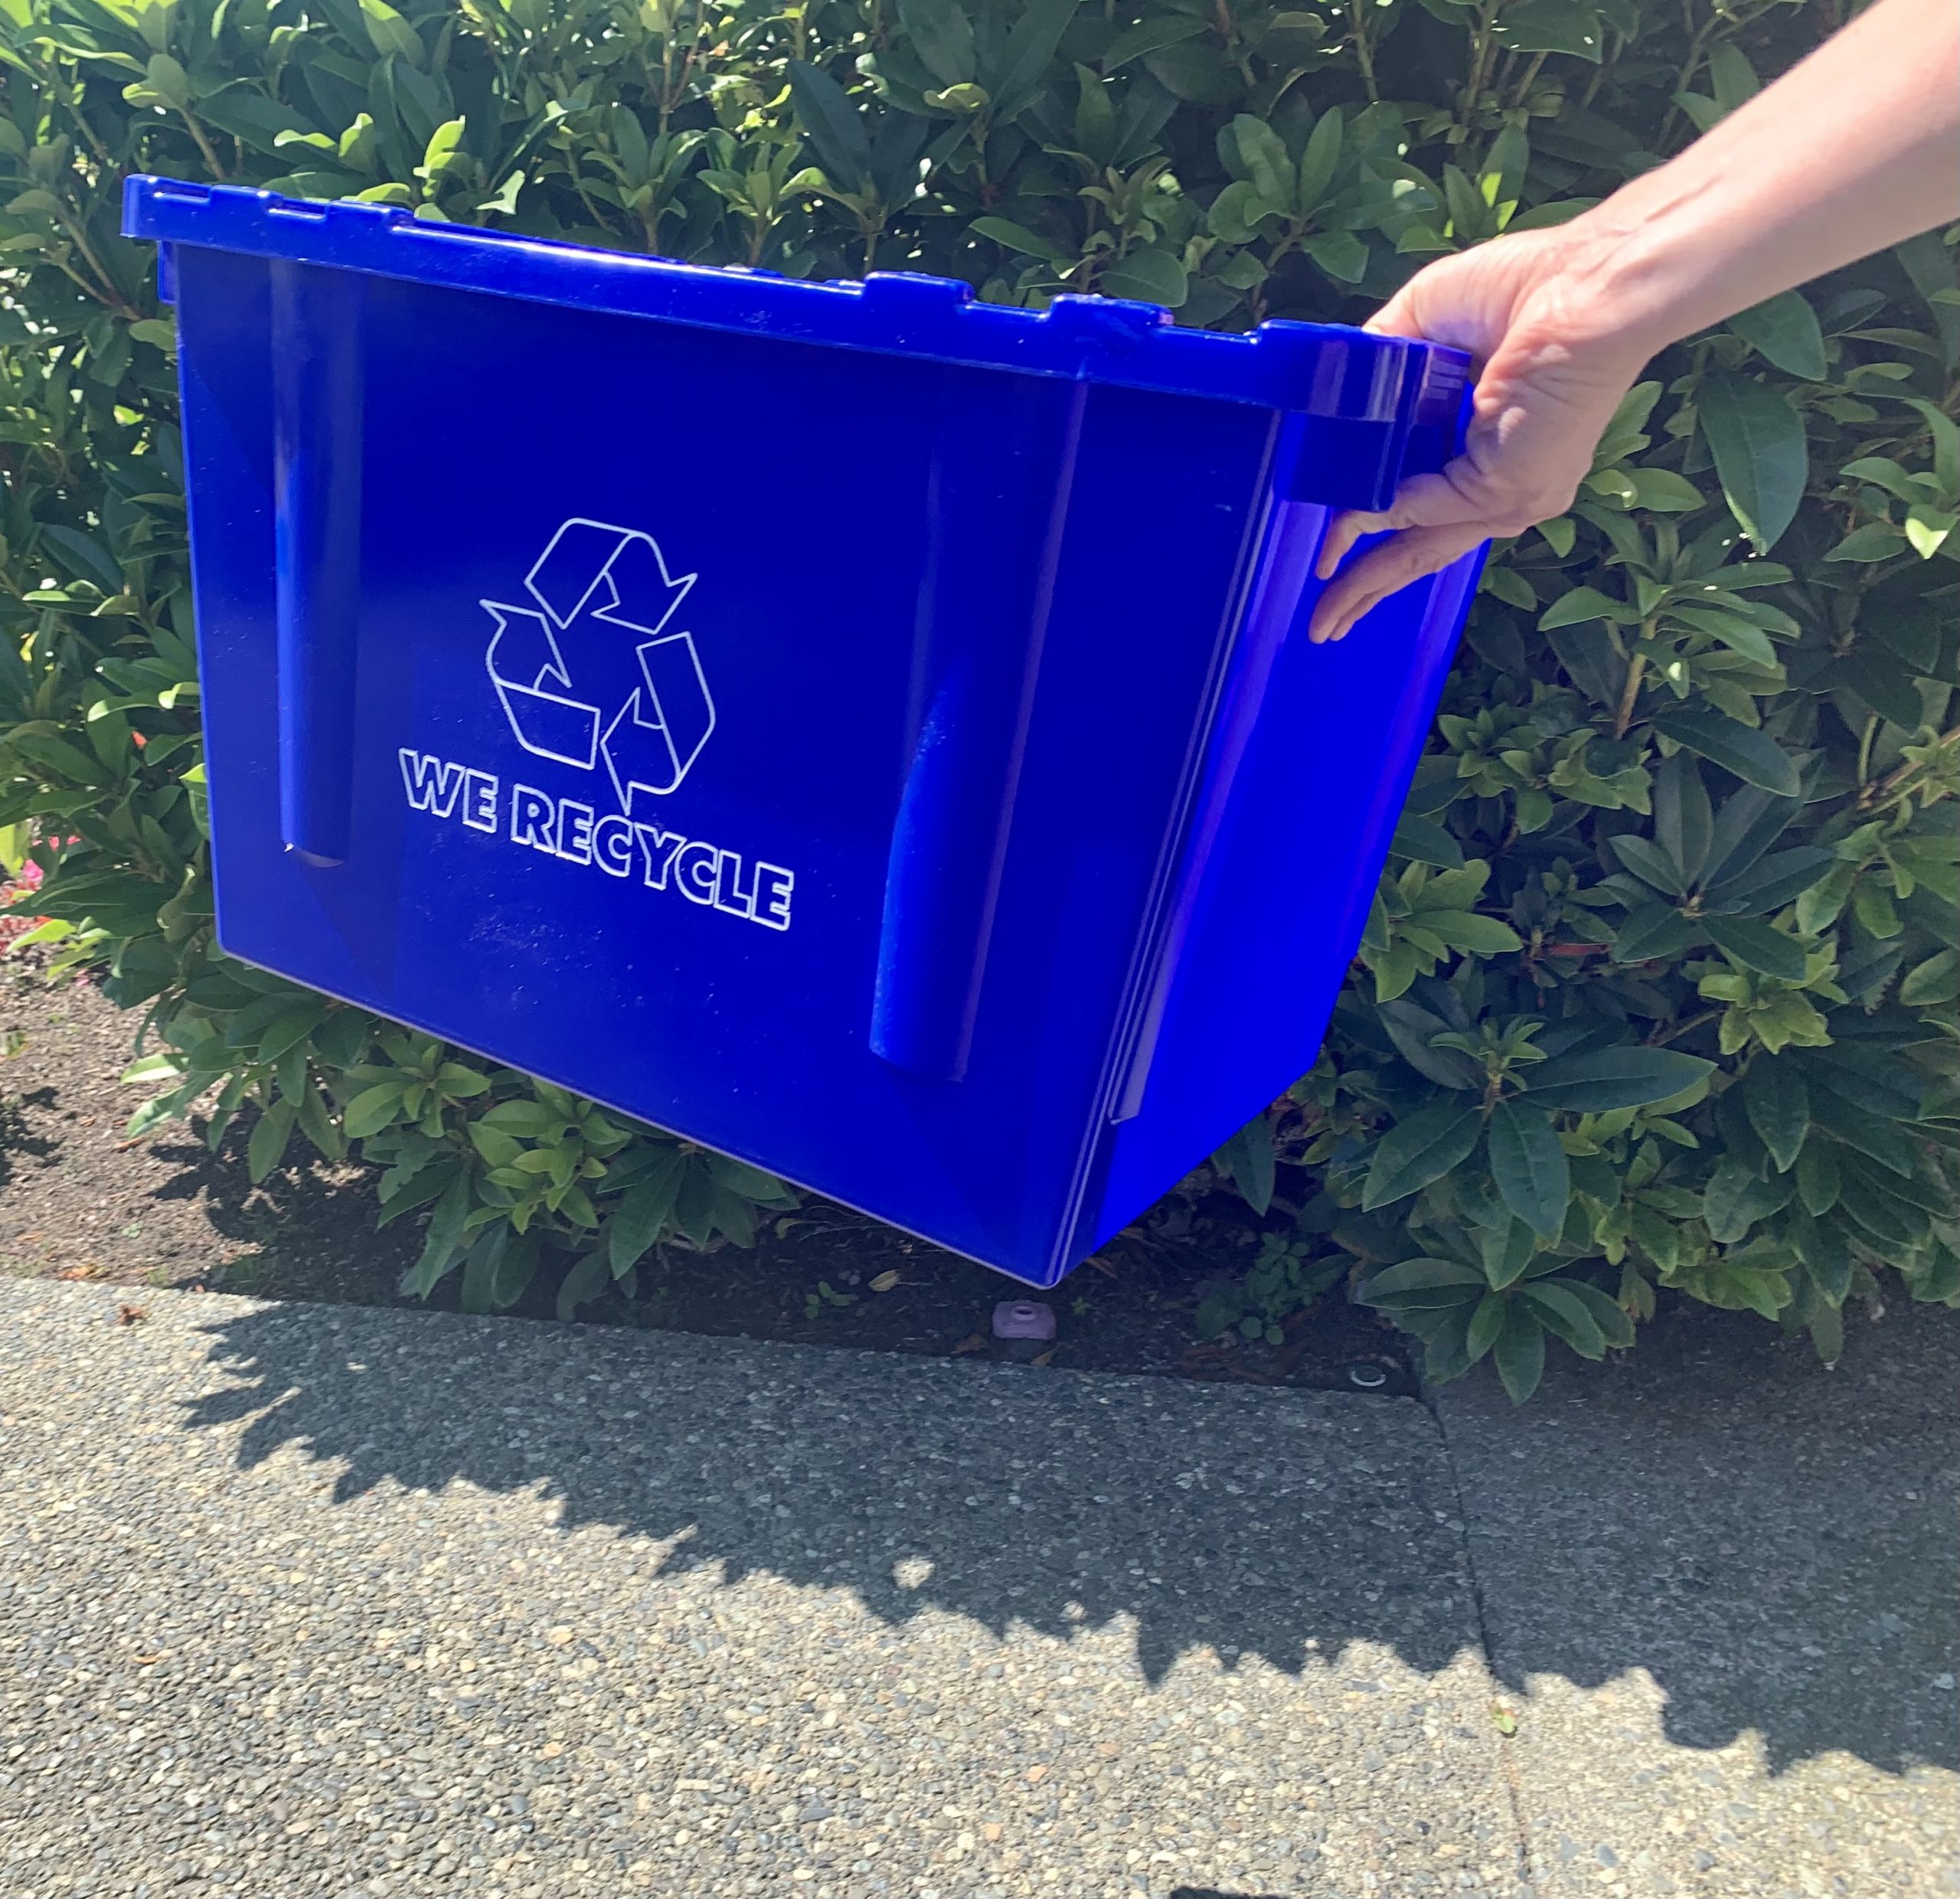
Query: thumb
[{"x": 1396, "y": 317}]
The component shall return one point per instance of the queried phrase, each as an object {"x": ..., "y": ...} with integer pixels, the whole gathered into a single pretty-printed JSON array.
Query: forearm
[{"x": 1856, "y": 148}]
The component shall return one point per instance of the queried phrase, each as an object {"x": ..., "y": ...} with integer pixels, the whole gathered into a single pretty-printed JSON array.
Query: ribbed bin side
[{"x": 864, "y": 732}]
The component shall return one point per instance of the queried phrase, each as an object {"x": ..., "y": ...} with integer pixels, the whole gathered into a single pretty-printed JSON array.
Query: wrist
[{"x": 1612, "y": 290}]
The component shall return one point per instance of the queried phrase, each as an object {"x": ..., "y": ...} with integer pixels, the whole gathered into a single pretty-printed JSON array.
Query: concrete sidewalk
[{"x": 342, "y": 1601}]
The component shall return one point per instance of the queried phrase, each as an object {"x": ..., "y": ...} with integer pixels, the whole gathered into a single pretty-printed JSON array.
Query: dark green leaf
[
  {"x": 1652, "y": 931},
  {"x": 1779, "y": 1105},
  {"x": 1883, "y": 683},
  {"x": 832, "y": 125},
  {"x": 1424, "y": 842},
  {"x": 1340, "y": 254},
  {"x": 1419, "y": 1150},
  {"x": 1507, "y": 1254},
  {"x": 1751, "y": 754},
  {"x": 1651, "y": 864},
  {"x": 1321, "y": 160},
  {"x": 1777, "y": 880},
  {"x": 1784, "y": 330},
  {"x": 1857, "y": 1129},
  {"x": 1819, "y": 1179},
  {"x": 1735, "y": 1199},
  {"x": 266, "y": 1148},
  {"x": 1248, "y": 1158},
  {"x": 1748, "y": 823},
  {"x": 1684, "y": 819},
  {"x": 1031, "y": 243},
  {"x": 1560, "y": 1310},
  {"x": 1519, "y": 1352},
  {"x": 1441, "y": 1281},
  {"x": 291, "y": 1028},
  {"x": 479, "y": 1270},
  {"x": 1932, "y": 982},
  {"x": 1151, "y": 36},
  {"x": 1413, "y": 1031},
  {"x": 1550, "y": 26},
  {"x": 1893, "y": 1090},
  {"x": 589, "y": 1277},
  {"x": 1530, "y": 1167},
  {"x": 1630, "y": 1076},
  {"x": 445, "y": 1235},
  {"x": 1486, "y": 1324},
  {"x": 1908, "y": 1190},
  {"x": 1756, "y": 945},
  {"x": 515, "y": 1270},
  {"x": 250, "y": 116},
  {"x": 940, "y": 33},
  {"x": 643, "y": 1213},
  {"x": 1588, "y": 662},
  {"x": 1615, "y": 1328},
  {"x": 83, "y": 556},
  {"x": 1882, "y": 1213},
  {"x": 1146, "y": 276},
  {"x": 1757, "y": 440},
  {"x": 1193, "y": 72},
  {"x": 753, "y": 1183},
  {"x": 1581, "y": 605},
  {"x": 1029, "y": 46}
]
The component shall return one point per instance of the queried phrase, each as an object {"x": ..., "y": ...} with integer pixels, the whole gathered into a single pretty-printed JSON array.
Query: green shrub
[{"x": 1657, "y": 991}]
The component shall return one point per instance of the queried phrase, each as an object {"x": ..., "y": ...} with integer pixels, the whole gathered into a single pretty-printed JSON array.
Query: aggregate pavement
[{"x": 367, "y": 1604}]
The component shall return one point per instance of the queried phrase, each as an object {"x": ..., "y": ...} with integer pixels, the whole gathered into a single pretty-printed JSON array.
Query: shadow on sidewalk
[
  {"x": 1609, "y": 1533},
  {"x": 1774, "y": 1544}
]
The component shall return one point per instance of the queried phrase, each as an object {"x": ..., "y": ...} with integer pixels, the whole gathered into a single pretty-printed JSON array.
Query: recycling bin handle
[
  {"x": 1359, "y": 460},
  {"x": 316, "y": 530}
]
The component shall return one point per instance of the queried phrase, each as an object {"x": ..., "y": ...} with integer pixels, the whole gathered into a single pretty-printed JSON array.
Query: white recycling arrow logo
[{"x": 588, "y": 676}]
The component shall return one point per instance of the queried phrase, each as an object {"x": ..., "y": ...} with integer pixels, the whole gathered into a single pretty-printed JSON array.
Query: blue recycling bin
[{"x": 865, "y": 731}]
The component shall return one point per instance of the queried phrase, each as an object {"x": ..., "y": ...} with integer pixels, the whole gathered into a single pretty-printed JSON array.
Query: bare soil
[{"x": 79, "y": 1200}]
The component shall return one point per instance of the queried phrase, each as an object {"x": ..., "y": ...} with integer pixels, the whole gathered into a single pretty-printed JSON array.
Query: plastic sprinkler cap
[{"x": 1024, "y": 1319}]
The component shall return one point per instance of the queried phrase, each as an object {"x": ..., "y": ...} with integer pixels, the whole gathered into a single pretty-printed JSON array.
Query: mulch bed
[{"x": 78, "y": 1200}]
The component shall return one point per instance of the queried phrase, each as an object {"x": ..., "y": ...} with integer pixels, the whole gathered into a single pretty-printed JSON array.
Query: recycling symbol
[{"x": 588, "y": 676}]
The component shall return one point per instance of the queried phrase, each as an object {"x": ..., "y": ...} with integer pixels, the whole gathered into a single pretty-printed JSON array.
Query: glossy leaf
[
  {"x": 1778, "y": 1104},
  {"x": 1609, "y": 1078},
  {"x": 1519, "y": 1352},
  {"x": 1785, "y": 330},
  {"x": 1563, "y": 1312},
  {"x": 1753, "y": 755},
  {"x": 1248, "y": 1158},
  {"x": 1756, "y": 945},
  {"x": 832, "y": 125},
  {"x": 1148, "y": 276},
  {"x": 1757, "y": 442},
  {"x": 1530, "y": 1167},
  {"x": 1550, "y": 26},
  {"x": 1652, "y": 930},
  {"x": 1419, "y": 1150}
]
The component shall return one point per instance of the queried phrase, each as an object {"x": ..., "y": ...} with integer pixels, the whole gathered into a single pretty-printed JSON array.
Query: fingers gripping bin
[{"x": 866, "y": 731}]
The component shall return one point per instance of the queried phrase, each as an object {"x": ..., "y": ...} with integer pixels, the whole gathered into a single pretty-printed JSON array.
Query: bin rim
[{"x": 1323, "y": 371}]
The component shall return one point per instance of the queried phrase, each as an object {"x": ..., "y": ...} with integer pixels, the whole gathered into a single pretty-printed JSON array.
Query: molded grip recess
[{"x": 316, "y": 513}]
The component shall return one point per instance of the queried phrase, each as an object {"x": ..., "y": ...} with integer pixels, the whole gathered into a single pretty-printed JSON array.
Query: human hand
[{"x": 1552, "y": 366}]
